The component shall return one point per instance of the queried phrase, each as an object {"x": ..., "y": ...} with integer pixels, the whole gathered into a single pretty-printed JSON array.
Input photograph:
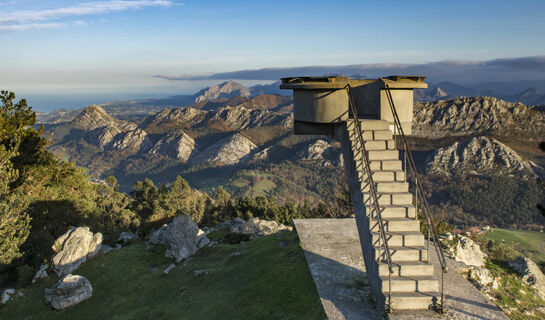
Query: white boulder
[
  {"x": 74, "y": 248},
  {"x": 469, "y": 252},
  {"x": 70, "y": 290},
  {"x": 182, "y": 237}
]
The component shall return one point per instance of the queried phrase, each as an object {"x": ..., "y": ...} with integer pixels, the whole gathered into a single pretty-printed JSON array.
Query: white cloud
[
  {"x": 30, "y": 26},
  {"x": 30, "y": 19}
]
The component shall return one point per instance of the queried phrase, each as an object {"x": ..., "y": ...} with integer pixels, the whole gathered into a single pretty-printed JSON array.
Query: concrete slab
[{"x": 335, "y": 261}]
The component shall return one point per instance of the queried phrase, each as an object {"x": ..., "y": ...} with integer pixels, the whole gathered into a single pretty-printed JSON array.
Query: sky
[{"x": 141, "y": 48}]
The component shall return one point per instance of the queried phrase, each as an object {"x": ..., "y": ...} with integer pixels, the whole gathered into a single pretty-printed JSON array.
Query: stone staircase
[{"x": 413, "y": 285}]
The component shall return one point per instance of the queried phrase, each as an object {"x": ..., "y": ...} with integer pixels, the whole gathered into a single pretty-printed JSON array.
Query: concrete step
[
  {"x": 369, "y": 124},
  {"x": 391, "y": 211},
  {"x": 371, "y": 135},
  {"x": 401, "y": 198},
  {"x": 385, "y": 187},
  {"x": 407, "y": 269},
  {"x": 394, "y": 225},
  {"x": 395, "y": 186},
  {"x": 410, "y": 284},
  {"x": 377, "y": 145},
  {"x": 386, "y": 165},
  {"x": 383, "y": 176},
  {"x": 401, "y": 238},
  {"x": 383, "y": 155},
  {"x": 414, "y": 300},
  {"x": 403, "y": 253}
]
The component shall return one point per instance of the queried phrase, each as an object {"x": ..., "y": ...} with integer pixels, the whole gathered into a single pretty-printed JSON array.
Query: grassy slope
[
  {"x": 529, "y": 241},
  {"x": 266, "y": 281}
]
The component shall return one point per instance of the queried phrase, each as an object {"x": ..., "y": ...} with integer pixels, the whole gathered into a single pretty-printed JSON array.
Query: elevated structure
[{"x": 366, "y": 116}]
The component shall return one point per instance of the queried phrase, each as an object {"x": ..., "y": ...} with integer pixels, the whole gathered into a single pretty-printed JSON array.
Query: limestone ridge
[
  {"x": 241, "y": 118},
  {"x": 475, "y": 116},
  {"x": 236, "y": 118},
  {"x": 176, "y": 145},
  {"x": 136, "y": 140},
  {"x": 480, "y": 155},
  {"x": 94, "y": 117},
  {"x": 228, "y": 151},
  {"x": 227, "y": 90}
]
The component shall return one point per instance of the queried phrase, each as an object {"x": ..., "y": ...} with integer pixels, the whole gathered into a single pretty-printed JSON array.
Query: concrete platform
[{"x": 335, "y": 261}]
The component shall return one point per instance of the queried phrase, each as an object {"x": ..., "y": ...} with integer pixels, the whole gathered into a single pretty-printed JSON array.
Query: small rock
[
  {"x": 256, "y": 227},
  {"x": 106, "y": 248},
  {"x": 198, "y": 273},
  {"x": 235, "y": 254},
  {"x": 169, "y": 268},
  {"x": 6, "y": 295},
  {"x": 127, "y": 237},
  {"x": 41, "y": 273},
  {"x": 118, "y": 246},
  {"x": 70, "y": 290},
  {"x": 481, "y": 276}
]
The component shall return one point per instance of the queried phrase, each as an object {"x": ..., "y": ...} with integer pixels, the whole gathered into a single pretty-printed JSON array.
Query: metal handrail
[
  {"x": 373, "y": 191},
  {"x": 419, "y": 189}
]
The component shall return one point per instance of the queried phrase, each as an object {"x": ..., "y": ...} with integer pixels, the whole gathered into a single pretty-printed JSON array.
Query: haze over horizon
[{"x": 108, "y": 50}]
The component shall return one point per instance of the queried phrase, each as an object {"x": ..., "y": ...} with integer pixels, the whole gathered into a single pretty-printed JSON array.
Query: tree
[{"x": 16, "y": 121}]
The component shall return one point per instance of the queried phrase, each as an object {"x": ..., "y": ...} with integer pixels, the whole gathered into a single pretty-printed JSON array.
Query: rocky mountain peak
[
  {"x": 475, "y": 116},
  {"x": 481, "y": 155},
  {"x": 94, "y": 117},
  {"x": 176, "y": 145},
  {"x": 228, "y": 89},
  {"x": 227, "y": 151}
]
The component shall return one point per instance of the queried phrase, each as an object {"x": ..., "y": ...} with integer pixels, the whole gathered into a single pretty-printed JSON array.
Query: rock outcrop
[
  {"x": 469, "y": 253},
  {"x": 227, "y": 90},
  {"x": 70, "y": 290},
  {"x": 476, "y": 116},
  {"x": 135, "y": 140},
  {"x": 254, "y": 227},
  {"x": 182, "y": 237},
  {"x": 94, "y": 117},
  {"x": 482, "y": 277},
  {"x": 321, "y": 152},
  {"x": 102, "y": 136},
  {"x": 74, "y": 248},
  {"x": 227, "y": 151},
  {"x": 531, "y": 274},
  {"x": 481, "y": 155},
  {"x": 177, "y": 145}
]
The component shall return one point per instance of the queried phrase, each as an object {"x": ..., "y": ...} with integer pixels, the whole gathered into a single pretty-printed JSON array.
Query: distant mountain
[
  {"x": 94, "y": 117},
  {"x": 228, "y": 89},
  {"x": 476, "y": 116},
  {"x": 227, "y": 151},
  {"x": 479, "y": 155},
  {"x": 273, "y": 88},
  {"x": 277, "y": 103}
]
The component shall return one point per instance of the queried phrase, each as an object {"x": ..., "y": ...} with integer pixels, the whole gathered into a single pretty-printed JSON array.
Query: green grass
[
  {"x": 516, "y": 299},
  {"x": 527, "y": 241},
  {"x": 266, "y": 281}
]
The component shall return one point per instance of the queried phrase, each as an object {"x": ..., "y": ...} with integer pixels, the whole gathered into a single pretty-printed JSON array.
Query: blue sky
[{"x": 117, "y": 46}]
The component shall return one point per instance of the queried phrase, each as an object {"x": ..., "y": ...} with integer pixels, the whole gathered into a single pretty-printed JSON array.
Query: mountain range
[{"x": 245, "y": 143}]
